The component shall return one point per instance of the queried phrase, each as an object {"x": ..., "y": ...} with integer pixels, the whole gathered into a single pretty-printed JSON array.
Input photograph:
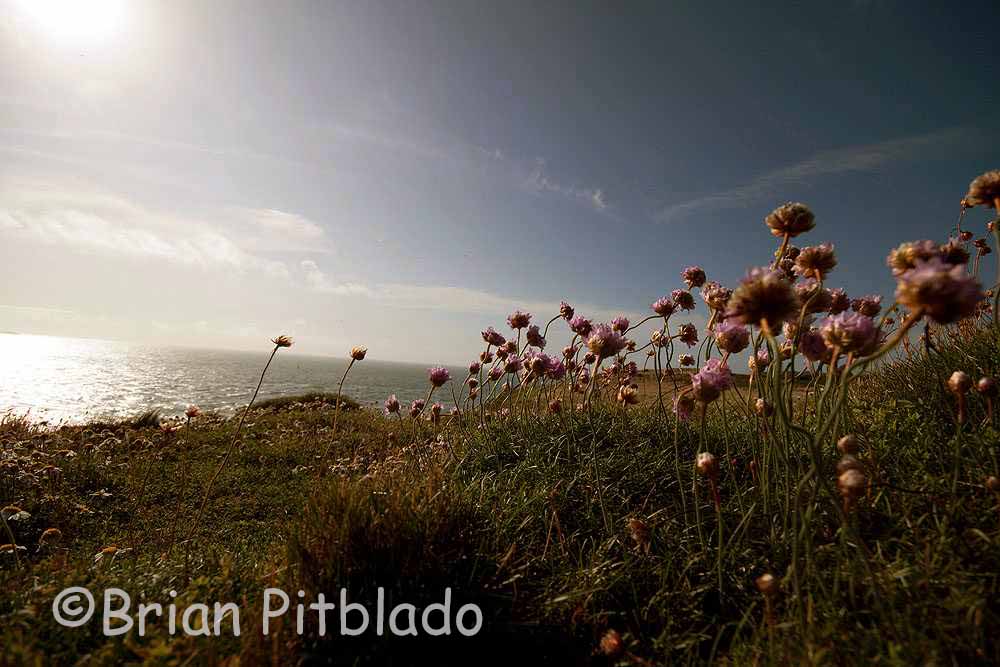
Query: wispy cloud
[
  {"x": 539, "y": 181},
  {"x": 865, "y": 158}
]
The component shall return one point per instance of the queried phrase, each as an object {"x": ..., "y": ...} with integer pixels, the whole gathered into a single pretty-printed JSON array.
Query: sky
[{"x": 403, "y": 174}]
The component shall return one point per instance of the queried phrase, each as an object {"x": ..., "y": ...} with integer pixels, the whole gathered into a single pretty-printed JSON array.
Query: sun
[{"x": 76, "y": 21}]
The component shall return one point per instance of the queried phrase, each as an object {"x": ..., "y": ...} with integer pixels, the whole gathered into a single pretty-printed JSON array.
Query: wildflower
[
  {"x": 944, "y": 292},
  {"x": 790, "y": 220},
  {"x": 954, "y": 252},
  {"x": 715, "y": 295},
  {"x": 686, "y": 360},
  {"x": 867, "y": 305},
  {"x": 605, "y": 342},
  {"x": 767, "y": 585},
  {"x": 838, "y": 301},
  {"x": 851, "y": 484},
  {"x": 358, "y": 352},
  {"x": 985, "y": 190},
  {"x": 664, "y": 306},
  {"x": 474, "y": 368},
  {"x": 565, "y": 311},
  {"x": 14, "y": 513},
  {"x": 848, "y": 445},
  {"x": 658, "y": 338},
  {"x": 492, "y": 337},
  {"x": 620, "y": 324},
  {"x": 612, "y": 645},
  {"x": 589, "y": 358},
  {"x": 810, "y": 294},
  {"x": 707, "y": 465},
  {"x": 50, "y": 535},
  {"x": 684, "y": 406},
  {"x": 555, "y": 406},
  {"x": 763, "y": 298},
  {"x": 683, "y": 299},
  {"x": 906, "y": 256},
  {"x": 535, "y": 338},
  {"x": 693, "y": 276},
  {"x": 732, "y": 337},
  {"x": 282, "y": 341},
  {"x": 628, "y": 395},
  {"x": 512, "y": 364},
  {"x": 416, "y": 407},
  {"x": 473, "y": 383},
  {"x": 581, "y": 326},
  {"x": 688, "y": 334},
  {"x": 486, "y": 357},
  {"x": 848, "y": 332},
  {"x": 392, "y": 405},
  {"x": 816, "y": 261},
  {"x": 518, "y": 319},
  {"x": 813, "y": 347},
  {"x": 640, "y": 533},
  {"x": 987, "y": 386},
  {"x": 959, "y": 383},
  {"x": 556, "y": 369},
  {"x": 993, "y": 484},
  {"x": 763, "y": 408},
  {"x": 760, "y": 360},
  {"x": 436, "y": 409},
  {"x": 438, "y": 375},
  {"x": 965, "y": 237},
  {"x": 709, "y": 383},
  {"x": 192, "y": 411}
]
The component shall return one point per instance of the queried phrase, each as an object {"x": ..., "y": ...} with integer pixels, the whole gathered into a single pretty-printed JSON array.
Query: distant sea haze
[{"x": 75, "y": 380}]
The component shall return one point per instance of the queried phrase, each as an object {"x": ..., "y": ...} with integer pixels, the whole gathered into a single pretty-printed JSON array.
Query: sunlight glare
[{"x": 76, "y": 20}]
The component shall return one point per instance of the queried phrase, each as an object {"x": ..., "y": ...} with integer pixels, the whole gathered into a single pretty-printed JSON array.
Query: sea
[{"x": 73, "y": 380}]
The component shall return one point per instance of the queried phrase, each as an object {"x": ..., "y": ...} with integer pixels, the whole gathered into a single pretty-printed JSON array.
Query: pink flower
[
  {"x": 715, "y": 295},
  {"x": 683, "y": 299},
  {"x": 581, "y": 326},
  {"x": 664, "y": 306},
  {"x": 565, "y": 311},
  {"x": 684, "y": 406},
  {"x": 867, "y": 305},
  {"x": 474, "y": 368},
  {"x": 535, "y": 337},
  {"x": 518, "y": 319},
  {"x": 709, "y": 383},
  {"x": 495, "y": 373},
  {"x": 731, "y": 336},
  {"x": 438, "y": 375},
  {"x": 620, "y": 324},
  {"x": 944, "y": 292},
  {"x": 512, "y": 364},
  {"x": 686, "y": 360},
  {"x": 838, "y": 301},
  {"x": 416, "y": 407},
  {"x": 493, "y": 337},
  {"x": 812, "y": 346},
  {"x": 556, "y": 369},
  {"x": 848, "y": 332},
  {"x": 688, "y": 334},
  {"x": 605, "y": 342},
  {"x": 693, "y": 276},
  {"x": 392, "y": 405}
]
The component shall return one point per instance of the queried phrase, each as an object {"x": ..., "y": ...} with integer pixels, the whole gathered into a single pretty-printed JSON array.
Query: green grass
[{"x": 529, "y": 519}]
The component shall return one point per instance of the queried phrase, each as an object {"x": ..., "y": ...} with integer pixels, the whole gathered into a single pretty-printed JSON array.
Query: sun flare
[{"x": 75, "y": 21}]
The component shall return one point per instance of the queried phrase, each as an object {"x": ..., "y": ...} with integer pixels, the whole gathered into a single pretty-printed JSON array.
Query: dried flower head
[
  {"x": 987, "y": 386},
  {"x": 612, "y": 645},
  {"x": 686, "y": 360},
  {"x": 768, "y": 585},
  {"x": 944, "y": 292},
  {"x": 358, "y": 352},
  {"x": 518, "y": 319},
  {"x": 50, "y": 535},
  {"x": 565, "y": 311},
  {"x": 954, "y": 251},
  {"x": 763, "y": 298},
  {"x": 985, "y": 190},
  {"x": 640, "y": 532},
  {"x": 763, "y": 408},
  {"x": 628, "y": 395},
  {"x": 683, "y": 299},
  {"x": 693, "y": 276},
  {"x": 492, "y": 337},
  {"x": 869, "y": 305},
  {"x": 848, "y": 445},
  {"x": 555, "y": 406},
  {"x": 790, "y": 220},
  {"x": 707, "y": 465},
  {"x": 282, "y": 341},
  {"x": 688, "y": 334},
  {"x": 816, "y": 261},
  {"x": 993, "y": 484},
  {"x": 906, "y": 256}
]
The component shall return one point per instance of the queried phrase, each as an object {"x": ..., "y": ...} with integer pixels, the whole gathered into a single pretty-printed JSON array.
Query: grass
[{"x": 560, "y": 527}]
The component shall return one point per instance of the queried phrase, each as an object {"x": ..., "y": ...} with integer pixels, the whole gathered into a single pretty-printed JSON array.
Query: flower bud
[
  {"x": 987, "y": 386},
  {"x": 959, "y": 382}
]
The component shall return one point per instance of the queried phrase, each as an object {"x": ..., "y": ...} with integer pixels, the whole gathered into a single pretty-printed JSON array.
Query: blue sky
[{"x": 404, "y": 174}]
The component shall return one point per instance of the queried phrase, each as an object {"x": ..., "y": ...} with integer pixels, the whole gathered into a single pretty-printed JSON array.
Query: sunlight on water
[{"x": 72, "y": 379}]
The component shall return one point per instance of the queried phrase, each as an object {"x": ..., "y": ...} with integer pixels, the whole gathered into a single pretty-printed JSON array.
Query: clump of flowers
[
  {"x": 709, "y": 383},
  {"x": 732, "y": 336},
  {"x": 848, "y": 332},
  {"x": 605, "y": 342},
  {"x": 869, "y": 305}
]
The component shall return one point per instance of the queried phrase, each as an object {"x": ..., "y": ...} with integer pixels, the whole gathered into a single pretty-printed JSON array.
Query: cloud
[
  {"x": 865, "y": 158},
  {"x": 318, "y": 281},
  {"x": 539, "y": 182}
]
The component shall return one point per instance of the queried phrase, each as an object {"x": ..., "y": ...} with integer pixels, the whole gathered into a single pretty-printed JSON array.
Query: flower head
[
  {"x": 816, "y": 261},
  {"x": 848, "y": 332},
  {"x": 944, "y": 292},
  {"x": 392, "y": 405},
  {"x": 565, "y": 311},
  {"x": 474, "y": 368},
  {"x": 760, "y": 360},
  {"x": 518, "y": 319},
  {"x": 416, "y": 407},
  {"x": 192, "y": 411},
  {"x": 688, "y": 334},
  {"x": 732, "y": 336},
  {"x": 867, "y": 305},
  {"x": 959, "y": 382},
  {"x": 512, "y": 364},
  {"x": 664, "y": 306},
  {"x": 493, "y": 337},
  {"x": 693, "y": 276},
  {"x": 715, "y": 295},
  {"x": 581, "y": 326},
  {"x": 707, "y": 465},
  {"x": 906, "y": 256},
  {"x": 438, "y": 375},
  {"x": 684, "y": 406},
  {"x": 987, "y": 386},
  {"x": 282, "y": 341},
  {"x": 763, "y": 297},
  {"x": 683, "y": 299},
  {"x": 620, "y": 324},
  {"x": 790, "y": 220},
  {"x": 358, "y": 352},
  {"x": 954, "y": 251},
  {"x": 985, "y": 190},
  {"x": 535, "y": 338},
  {"x": 709, "y": 383},
  {"x": 605, "y": 342},
  {"x": 839, "y": 302},
  {"x": 812, "y": 346},
  {"x": 812, "y": 296},
  {"x": 628, "y": 395}
]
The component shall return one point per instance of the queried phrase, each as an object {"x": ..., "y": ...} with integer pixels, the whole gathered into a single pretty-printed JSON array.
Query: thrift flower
[
  {"x": 438, "y": 375},
  {"x": 683, "y": 299},
  {"x": 518, "y": 319},
  {"x": 715, "y": 295},
  {"x": 664, "y": 306},
  {"x": 492, "y": 337},
  {"x": 565, "y": 311},
  {"x": 581, "y": 326},
  {"x": 813, "y": 347},
  {"x": 985, "y": 190},
  {"x": 686, "y": 360},
  {"x": 790, "y": 220},
  {"x": 906, "y": 256},
  {"x": 620, "y": 324},
  {"x": 535, "y": 337},
  {"x": 605, "y": 342},
  {"x": 688, "y": 334},
  {"x": 848, "y": 332},
  {"x": 945, "y": 293},
  {"x": 693, "y": 276},
  {"x": 816, "y": 261},
  {"x": 732, "y": 337},
  {"x": 282, "y": 341},
  {"x": 763, "y": 298},
  {"x": 358, "y": 352},
  {"x": 392, "y": 405},
  {"x": 709, "y": 383},
  {"x": 839, "y": 302},
  {"x": 684, "y": 406},
  {"x": 867, "y": 305}
]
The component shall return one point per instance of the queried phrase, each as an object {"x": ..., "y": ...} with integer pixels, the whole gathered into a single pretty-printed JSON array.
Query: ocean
[{"x": 54, "y": 379}]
